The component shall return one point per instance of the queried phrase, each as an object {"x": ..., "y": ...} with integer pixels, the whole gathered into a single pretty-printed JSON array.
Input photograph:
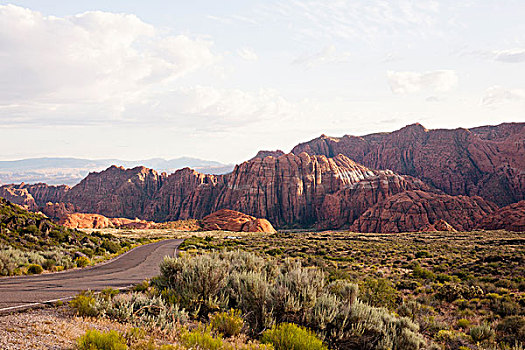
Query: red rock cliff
[{"x": 487, "y": 161}]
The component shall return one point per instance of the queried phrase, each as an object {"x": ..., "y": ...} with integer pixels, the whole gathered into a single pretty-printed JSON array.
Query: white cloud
[
  {"x": 100, "y": 59},
  {"x": 247, "y": 54},
  {"x": 497, "y": 95},
  {"x": 510, "y": 56},
  {"x": 208, "y": 106},
  {"x": 358, "y": 19},
  {"x": 412, "y": 82},
  {"x": 328, "y": 55}
]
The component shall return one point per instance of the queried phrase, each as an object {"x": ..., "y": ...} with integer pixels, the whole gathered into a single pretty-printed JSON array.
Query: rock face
[
  {"x": 231, "y": 220},
  {"x": 96, "y": 221},
  {"x": 264, "y": 154},
  {"x": 319, "y": 184},
  {"x": 34, "y": 196},
  {"x": 486, "y": 161},
  {"x": 115, "y": 192},
  {"x": 412, "y": 211},
  {"x": 510, "y": 218},
  {"x": 19, "y": 196}
]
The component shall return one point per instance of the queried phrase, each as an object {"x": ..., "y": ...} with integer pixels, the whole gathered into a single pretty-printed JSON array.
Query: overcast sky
[{"x": 222, "y": 79}]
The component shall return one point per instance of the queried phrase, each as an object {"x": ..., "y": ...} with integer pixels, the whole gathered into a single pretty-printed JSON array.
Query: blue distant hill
[{"x": 70, "y": 171}]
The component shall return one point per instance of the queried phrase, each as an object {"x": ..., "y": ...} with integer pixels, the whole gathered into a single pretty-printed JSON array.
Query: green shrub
[
  {"x": 95, "y": 340},
  {"x": 481, "y": 332},
  {"x": 34, "y": 269},
  {"x": 463, "y": 323},
  {"x": 228, "y": 323},
  {"x": 201, "y": 338},
  {"x": 288, "y": 336},
  {"x": 82, "y": 261},
  {"x": 110, "y": 246},
  {"x": 511, "y": 329},
  {"x": 85, "y": 304},
  {"x": 379, "y": 292}
]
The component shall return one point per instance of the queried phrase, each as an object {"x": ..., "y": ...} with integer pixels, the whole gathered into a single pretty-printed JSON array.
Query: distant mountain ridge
[
  {"x": 407, "y": 180},
  {"x": 70, "y": 171}
]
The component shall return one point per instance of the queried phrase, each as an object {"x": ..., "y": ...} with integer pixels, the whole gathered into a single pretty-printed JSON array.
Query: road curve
[{"x": 127, "y": 269}]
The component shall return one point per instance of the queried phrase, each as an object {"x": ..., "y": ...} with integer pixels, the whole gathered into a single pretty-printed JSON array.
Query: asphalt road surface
[{"x": 128, "y": 269}]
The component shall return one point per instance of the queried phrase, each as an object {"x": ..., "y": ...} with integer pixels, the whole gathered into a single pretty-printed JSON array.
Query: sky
[{"x": 220, "y": 80}]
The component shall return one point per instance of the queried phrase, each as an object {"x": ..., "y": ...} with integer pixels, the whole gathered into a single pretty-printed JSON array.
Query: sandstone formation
[
  {"x": 322, "y": 184},
  {"x": 96, "y": 221},
  {"x": 486, "y": 161},
  {"x": 115, "y": 192},
  {"x": 19, "y": 196},
  {"x": 412, "y": 211},
  {"x": 264, "y": 154},
  {"x": 510, "y": 218},
  {"x": 440, "y": 225},
  {"x": 231, "y": 220}
]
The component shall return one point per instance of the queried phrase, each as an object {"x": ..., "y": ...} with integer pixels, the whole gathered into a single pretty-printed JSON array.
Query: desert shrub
[
  {"x": 49, "y": 264},
  {"x": 85, "y": 304},
  {"x": 410, "y": 309},
  {"x": 452, "y": 340},
  {"x": 110, "y": 246},
  {"x": 288, "y": 336},
  {"x": 34, "y": 269},
  {"x": 481, "y": 332},
  {"x": 296, "y": 292},
  {"x": 511, "y": 329},
  {"x": 82, "y": 261},
  {"x": 201, "y": 338},
  {"x": 452, "y": 291},
  {"x": 143, "y": 310},
  {"x": 95, "y": 340},
  {"x": 141, "y": 287},
  {"x": 463, "y": 323},
  {"x": 228, "y": 323},
  {"x": 379, "y": 292},
  {"x": 269, "y": 293},
  {"x": 344, "y": 290},
  {"x": 423, "y": 273}
]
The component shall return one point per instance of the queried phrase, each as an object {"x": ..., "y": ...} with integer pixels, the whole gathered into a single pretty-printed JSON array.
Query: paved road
[{"x": 128, "y": 269}]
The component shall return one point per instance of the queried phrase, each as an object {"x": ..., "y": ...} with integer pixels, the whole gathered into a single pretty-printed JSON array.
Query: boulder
[{"x": 231, "y": 220}]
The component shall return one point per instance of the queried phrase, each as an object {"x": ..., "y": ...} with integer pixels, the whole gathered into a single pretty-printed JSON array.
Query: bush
[
  {"x": 481, "y": 332},
  {"x": 269, "y": 293},
  {"x": 85, "y": 304},
  {"x": 463, "y": 323},
  {"x": 201, "y": 338},
  {"x": 512, "y": 328},
  {"x": 379, "y": 292},
  {"x": 228, "y": 323},
  {"x": 82, "y": 261},
  {"x": 110, "y": 246},
  {"x": 95, "y": 340},
  {"x": 34, "y": 269},
  {"x": 288, "y": 336}
]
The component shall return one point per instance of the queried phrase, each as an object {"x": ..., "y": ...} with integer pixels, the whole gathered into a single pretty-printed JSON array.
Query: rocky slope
[
  {"x": 486, "y": 161},
  {"x": 23, "y": 229},
  {"x": 419, "y": 211},
  {"x": 510, "y": 218},
  {"x": 231, "y": 220}
]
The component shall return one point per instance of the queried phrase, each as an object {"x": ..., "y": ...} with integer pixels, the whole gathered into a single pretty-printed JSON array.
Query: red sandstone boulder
[
  {"x": 413, "y": 211},
  {"x": 231, "y": 220},
  {"x": 510, "y": 218},
  {"x": 96, "y": 221}
]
